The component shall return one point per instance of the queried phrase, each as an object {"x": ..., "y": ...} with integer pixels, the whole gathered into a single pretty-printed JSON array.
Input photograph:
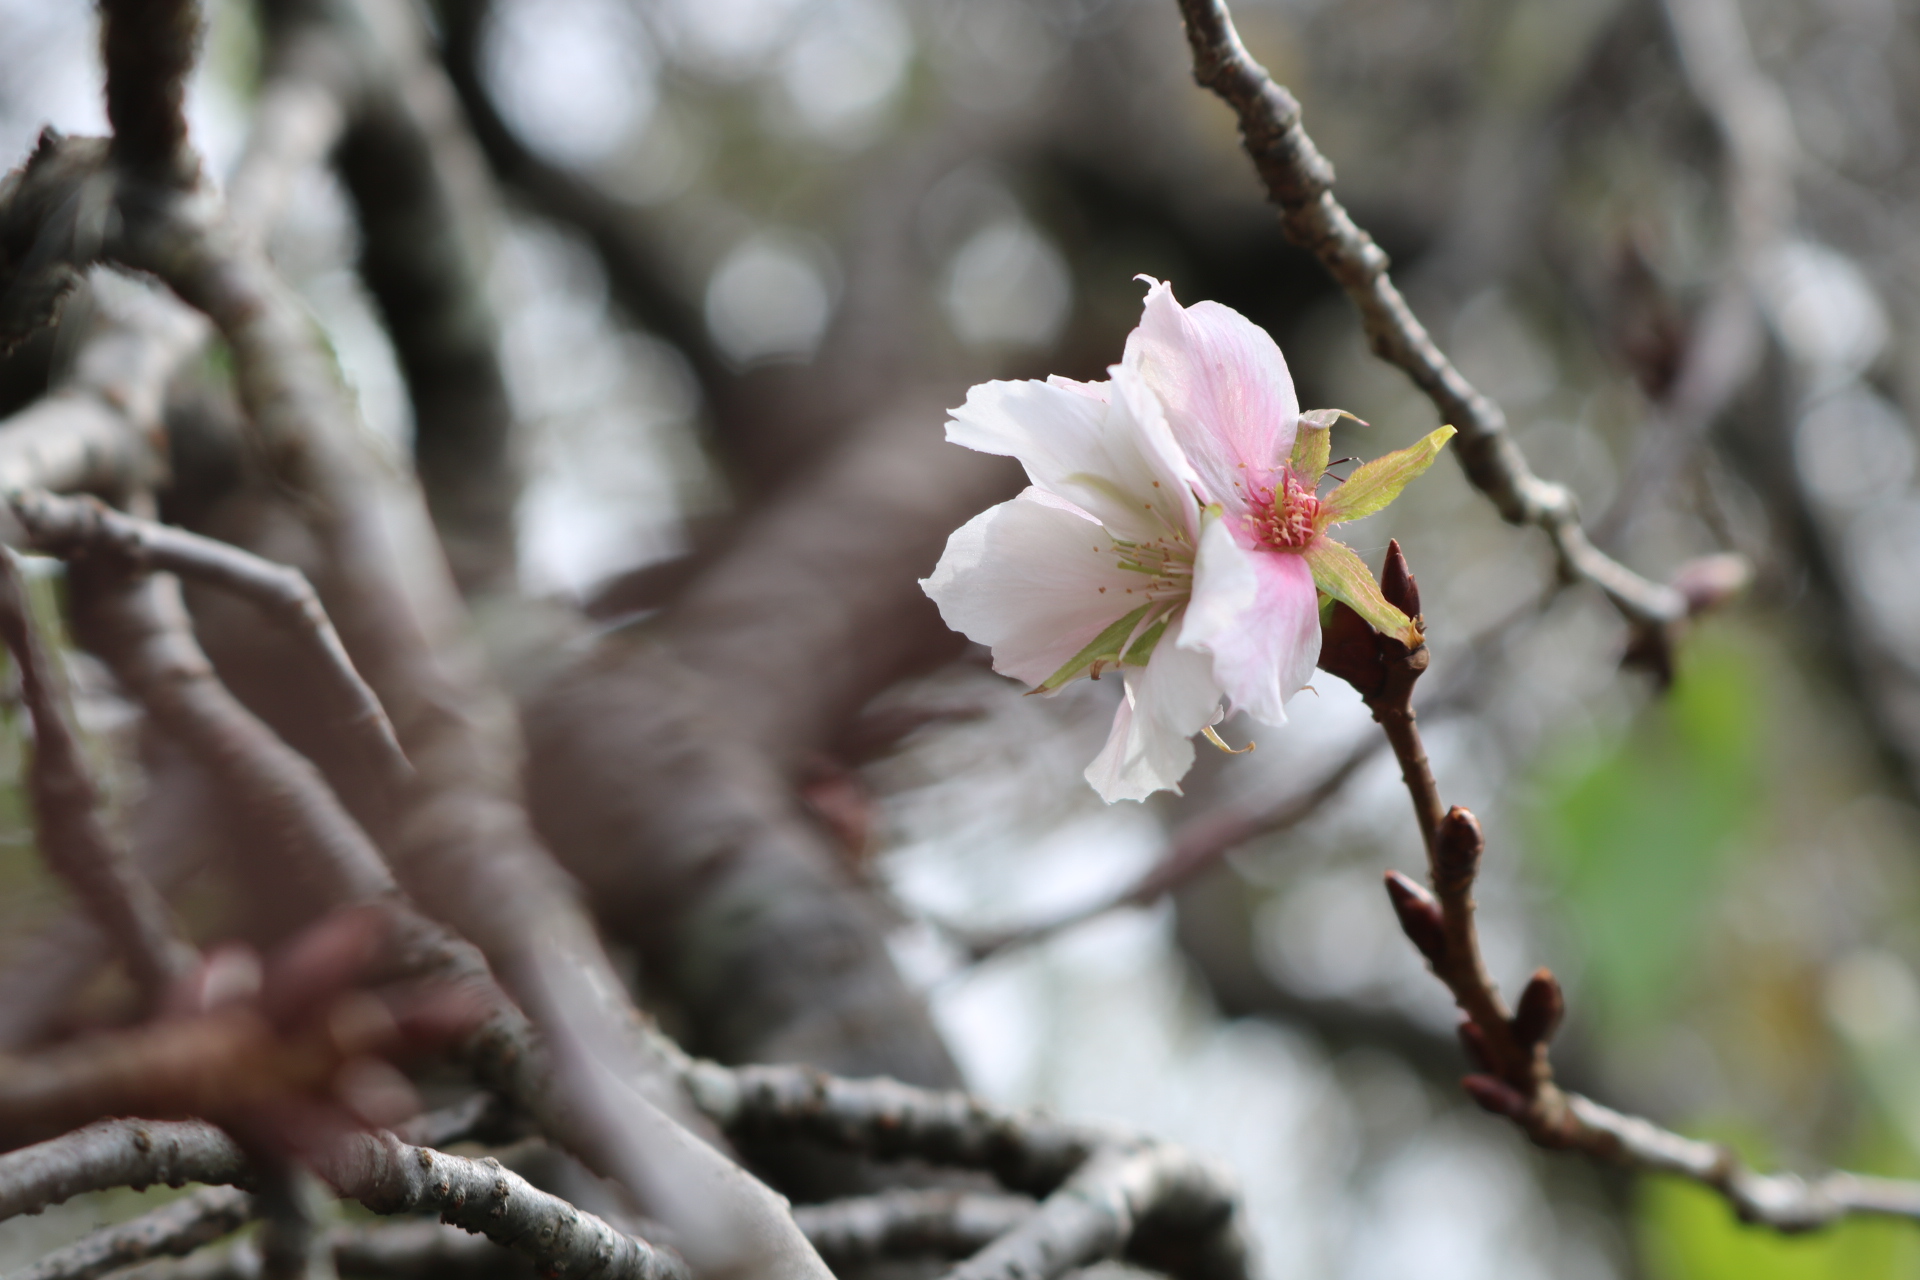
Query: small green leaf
[
  {"x": 1312, "y": 443},
  {"x": 1105, "y": 647},
  {"x": 1380, "y": 481},
  {"x": 1342, "y": 574}
]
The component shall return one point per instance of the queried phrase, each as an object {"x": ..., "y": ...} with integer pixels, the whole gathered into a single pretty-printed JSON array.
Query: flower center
[{"x": 1287, "y": 520}]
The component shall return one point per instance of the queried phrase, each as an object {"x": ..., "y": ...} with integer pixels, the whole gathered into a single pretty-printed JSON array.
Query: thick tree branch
[{"x": 117, "y": 1153}]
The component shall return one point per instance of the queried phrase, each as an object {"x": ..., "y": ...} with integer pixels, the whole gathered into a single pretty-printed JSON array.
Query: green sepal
[
  {"x": 1375, "y": 484},
  {"x": 1340, "y": 572},
  {"x": 1104, "y": 648},
  {"x": 1313, "y": 444},
  {"x": 1140, "y": 650}
]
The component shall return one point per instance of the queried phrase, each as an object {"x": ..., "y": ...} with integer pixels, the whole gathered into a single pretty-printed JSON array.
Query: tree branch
[
  {"x": 1760, "y": 156},
  {"x": 1300, "y": 180},
  {"x": 1510, "y": 1046},
  {"x": 173, "y": 1230},
  {"x": 149, "y": 47},
  {"x": 72, "y": 833},
  {"x": 69, "y": 527},
  {"x": 910, "y": 1224},
  {"x": 1107, "y": 1205},
  {"x": 139, "y": 627},
  {"x": 1196, "y": 848}
]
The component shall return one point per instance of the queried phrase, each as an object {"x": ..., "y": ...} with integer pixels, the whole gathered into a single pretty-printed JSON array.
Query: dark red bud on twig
[
  {"x": 1496, "y": 1096},
  {"x": 1457, "y": 849},
  {"x": 1350, "y": 649},
  {"x": 1397, "y": 584},
  {"x": 1541, "y": 1007},
  {"x": 1474, "y": 1041},
  {"x": 1419, "y": 916}
]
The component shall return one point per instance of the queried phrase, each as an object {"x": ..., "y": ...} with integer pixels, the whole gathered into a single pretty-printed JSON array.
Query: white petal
[
  {"x": 1229, "y": 397},
  {"x": 1103, "y": 455},
  {"x": 1035, "y": 580},
  {"x": 1094, "y": 390},
  {"x": 1150, "y": 747},
  {"x": 1256, "y": 612}
]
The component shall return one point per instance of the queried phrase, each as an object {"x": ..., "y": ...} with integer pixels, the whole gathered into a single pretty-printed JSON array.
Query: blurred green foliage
[
  {"x": 1636, "y": 832},
  {"x": 1688, "y": 1233}
]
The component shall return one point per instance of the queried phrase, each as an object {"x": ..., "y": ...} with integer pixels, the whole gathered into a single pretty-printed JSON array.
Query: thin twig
[
  {"x": 1196, "y": 848},
  {"x": 1510, "y": 1046},
  {"x": 68, "y": 818},
  {"x": 909, "y": 1223},
  {"x": 173, "y": 1230},
  {"x": 1102, "y": 1209},
  {"x": 390, "y": 1250},
  {"x": 67, "y": 527},
  {"x": 138, "y": 625},
  {"x": 388, "y": 1176},
  {"x": 1025, "y": 1151},
  {"x": 1299, "y": 180},
  {"x": 1760, "y": 156}
]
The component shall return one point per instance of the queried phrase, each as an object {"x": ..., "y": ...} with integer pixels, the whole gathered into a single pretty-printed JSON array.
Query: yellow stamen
[{"x": 1217, "y": 741}]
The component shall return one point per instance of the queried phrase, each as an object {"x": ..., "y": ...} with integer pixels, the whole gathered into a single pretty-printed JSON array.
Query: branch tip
[
  {"x": 1420, "y": 917},
  {"x": 1458, "y": 845},
  {"x": 1397, "y": 584},
  {"x": 1542, "y": 1006}
]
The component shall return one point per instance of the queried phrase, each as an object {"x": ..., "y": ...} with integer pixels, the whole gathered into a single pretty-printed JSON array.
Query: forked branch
[
  {"x": 1509, "y": 1046},
  {"x": 68, "y": 819}
]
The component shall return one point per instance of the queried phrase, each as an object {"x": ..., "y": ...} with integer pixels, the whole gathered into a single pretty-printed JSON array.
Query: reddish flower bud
[
  {"x": 1457, "y": 849},
  {"x": 1541, "y": 1007},
  {"x": 1419, "y": 916},
  {"x": 1349, "y": 649},
  {"x": 1397, "y": 584},
  {"x": 1497, "y": 1096}
]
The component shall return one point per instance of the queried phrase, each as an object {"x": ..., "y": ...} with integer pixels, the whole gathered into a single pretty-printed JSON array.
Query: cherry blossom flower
[{"x": 1173, "y": 530}]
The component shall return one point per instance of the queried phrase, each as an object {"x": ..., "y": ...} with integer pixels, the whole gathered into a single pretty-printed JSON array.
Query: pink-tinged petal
[
  {"x": 1136, "y": 416},
  {"x": 1229, "y": 398},
  {"x": 1035, "y": 580},
  {"x": 1256, "y": 613},
  {"x": 1092, "y": 390},
  {"x": 1150, "y": 747},
  {"x": 1114, "y": 458}
]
